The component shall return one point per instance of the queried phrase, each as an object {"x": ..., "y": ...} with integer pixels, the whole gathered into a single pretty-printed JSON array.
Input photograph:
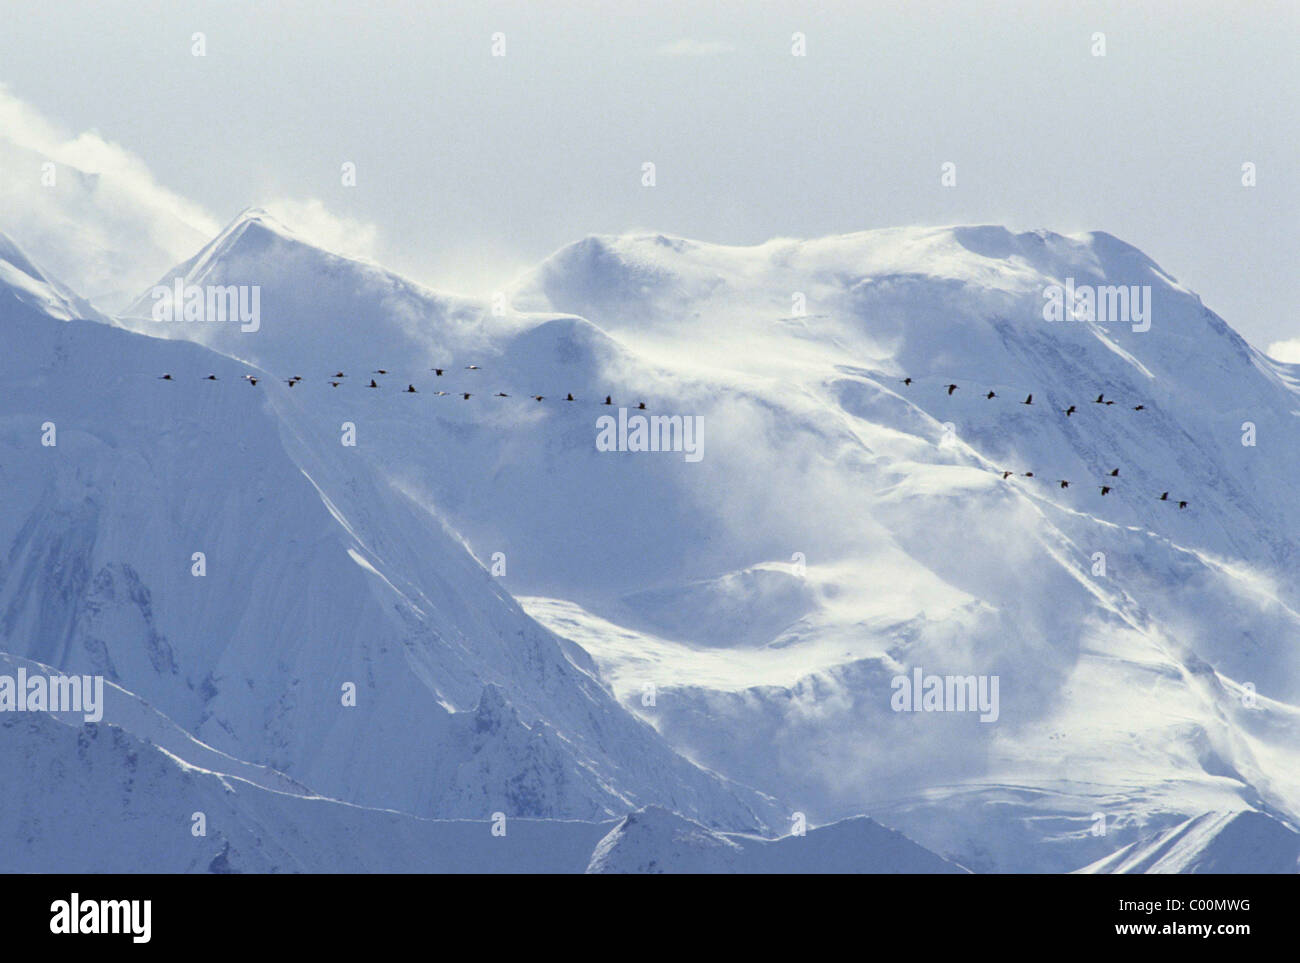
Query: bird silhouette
[
  {"x": 291, "y": 382},
  {"x": 335, "y": 384},
  {"x": 210, "y": 377},
  {"x": 1114, "y": 473},
  {"x": 166, "y": 377},
  {"x": 502, "y": 394},
  {"x": 538, "y": 397},
  {"x": 339, "y": 374},
  {"x": 440, "y": 393},
  {"x": 471, "y": 367},
  {"x": 1182, "y": 504},
  {"x": 1105, "y": 489},
  {"x": 1028, "y": 401},
  {"x": 1007, "y": 474},
  {"x": 1064, "y": 483},
  {"x": 990, "y": 395},
  {"x": 607, "y": 401},
  {"x": 641, "y": 406},
  {"x": 1029, "y": 474},
  {"x": 1101, "y": 400},
  {"x": 250, "y": 379},
  {"x": 372, "y": 384},
  {"x": 381, "y": 371},
  {"x": 569, "y": 397},
  {"x": 465, "y": 396},
  {"x": 1164, "y": 497},
  {"x": 907, "y": 381},
  {"x": 410, "y": 390},
  {"x": 951, "y": 388},
  {"x": 1109, "y": 402},
  {"x": 1070, "y": 410},
  {"x": 437, "y": 372},
  {"x": 1140, "y": 408}
]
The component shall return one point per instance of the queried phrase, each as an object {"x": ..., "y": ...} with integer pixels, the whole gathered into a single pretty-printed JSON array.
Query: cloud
[
  {"x": 314, "y": 223},
  {"x": 105, "y": 226},
  {"x": 690, "y": 47},
  {"x": 1287, "y": 351}
]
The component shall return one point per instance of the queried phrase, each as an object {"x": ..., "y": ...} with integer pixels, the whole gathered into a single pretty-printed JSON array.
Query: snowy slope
[
  {"x": 316, "y": 576},
  {"x": 1249, "y": 842},
  {"x": 653, "y": 840},
  {"x": 97, "y": 799}
]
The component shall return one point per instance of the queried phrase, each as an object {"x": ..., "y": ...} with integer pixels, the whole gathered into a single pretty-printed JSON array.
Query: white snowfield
[{"x": 710, "y": 646}]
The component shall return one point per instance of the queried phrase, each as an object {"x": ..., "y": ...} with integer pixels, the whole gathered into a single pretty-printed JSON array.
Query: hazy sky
[{"x": 471, "y": 167}]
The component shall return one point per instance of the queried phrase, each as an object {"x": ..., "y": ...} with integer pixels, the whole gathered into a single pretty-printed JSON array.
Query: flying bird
[
  {"x": 1101, "y": 400},
  {"x": 538, "y": 397},
  {"x": 372, "y": 384},
  {"x": 951, "y": 388},
  {"x": 291, "y": 382},
  {"x": 471, "y": 367},
  {"x": 1029, "y": 474},
  {"x": 381, "y": 371},
  {"x": 1164, "y": 497},
  {"x": 410, "y": 390},
  {"x": 907, "y": 381},
  {"x": 1105, "y": 489},
  {"x": 210, "y": 377},
  {"x": 569, "y": 397},
  {"x": 339, "y": 374},
  {"x": 1070, "y": 410},
  {"x": 250, "y": 379},
  {"x": 335, "y": 384},
  {"x": 437, "y": 372},
  {"x": 641, "y": 406},
  {"x": 1114, "y": 473},
  {"x": 1182, "y": 504},
  {"x": 166, "y": 377},
  {"x": 1140, "y": 408},
  {"x": 502, "y": 394},
  {"x": 990, "y": 395},
  {"x": 1007, "y": 474},
  {"x": 1064, "y": 483},
  {"x": 465, "y": 396},
  {"x": 607, "y": 401},
  {"x": 1028, "y": 401}
]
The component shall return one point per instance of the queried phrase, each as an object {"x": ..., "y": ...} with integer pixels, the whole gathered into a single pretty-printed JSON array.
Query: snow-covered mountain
[
  {"x": 316, "y": 576},
  {"x": 653, "y": 840},
  {"x": 748, "y": 611}
]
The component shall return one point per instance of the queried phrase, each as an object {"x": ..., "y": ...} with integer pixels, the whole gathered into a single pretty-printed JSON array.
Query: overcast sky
[{"x": 471, "y": 167}]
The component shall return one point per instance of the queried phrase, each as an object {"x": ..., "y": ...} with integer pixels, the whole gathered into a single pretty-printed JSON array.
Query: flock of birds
[
  {"x": 1102, "y": 400},
  {"x": 338, "y": 378}
]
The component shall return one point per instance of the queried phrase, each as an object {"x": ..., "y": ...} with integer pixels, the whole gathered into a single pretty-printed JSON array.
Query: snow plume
[
  {"x": 313, "y": 222},
  {"x": 88, "y": 209},
  {"x": 1285, "y": 351},
  {"x": 94, "y": 214}
]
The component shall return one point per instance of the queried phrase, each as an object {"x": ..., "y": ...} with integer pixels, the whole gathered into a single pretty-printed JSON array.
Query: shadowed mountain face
[{"x": 848, "y": 523}]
